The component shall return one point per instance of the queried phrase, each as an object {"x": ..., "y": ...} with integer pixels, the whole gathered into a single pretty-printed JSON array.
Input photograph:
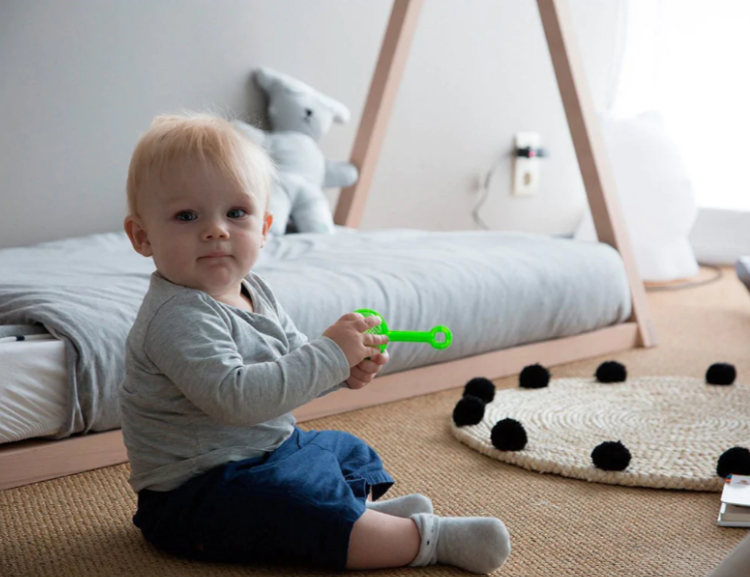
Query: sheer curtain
[{"x": 690, "y": 61}]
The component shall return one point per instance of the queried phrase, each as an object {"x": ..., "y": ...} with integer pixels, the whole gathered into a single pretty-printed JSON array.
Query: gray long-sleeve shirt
[{"x": 207, "y": 383}]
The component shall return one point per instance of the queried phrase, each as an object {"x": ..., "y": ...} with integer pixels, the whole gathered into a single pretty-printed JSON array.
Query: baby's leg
[
  {"x": 477, "y": 544},
  {"x": 379, "y": 540},
  {"x": 405, "y": 506}
]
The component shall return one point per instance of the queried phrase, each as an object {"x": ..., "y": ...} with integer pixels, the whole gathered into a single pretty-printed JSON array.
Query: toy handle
[{"x": 424, "y": 337}]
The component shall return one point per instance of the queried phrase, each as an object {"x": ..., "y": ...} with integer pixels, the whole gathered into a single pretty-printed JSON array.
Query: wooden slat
[
  {"x": 591, "y": 152},
  {"x": 380, "y": 100},
  {"x": 32, "y": 461}
]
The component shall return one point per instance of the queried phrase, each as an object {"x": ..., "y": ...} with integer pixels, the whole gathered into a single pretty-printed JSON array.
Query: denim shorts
[{"x": 295, "y": 505}]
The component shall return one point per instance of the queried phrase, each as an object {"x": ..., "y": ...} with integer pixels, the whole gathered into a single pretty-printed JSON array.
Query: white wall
[{"x": 81, "y": 79}]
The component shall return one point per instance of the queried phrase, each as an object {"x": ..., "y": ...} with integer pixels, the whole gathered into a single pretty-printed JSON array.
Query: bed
[
  {"x": 63, "y": 354},
  {"x": 510, "y": 299},
  {"x": 493, "y": 290}
]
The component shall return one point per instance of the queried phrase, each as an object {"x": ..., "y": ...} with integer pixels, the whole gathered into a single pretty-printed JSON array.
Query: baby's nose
[{"x": 215, "y": 230}]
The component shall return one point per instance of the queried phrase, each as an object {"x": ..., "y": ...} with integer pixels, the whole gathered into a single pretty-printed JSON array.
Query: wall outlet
[{"x": 526, "y": 170}]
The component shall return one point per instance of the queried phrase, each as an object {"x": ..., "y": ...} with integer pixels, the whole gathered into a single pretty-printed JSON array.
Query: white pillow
[{"x": 656, "y": 196}]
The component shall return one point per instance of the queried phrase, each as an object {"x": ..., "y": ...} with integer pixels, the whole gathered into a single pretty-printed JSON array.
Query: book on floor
[
  {"x": 734, "y": 516},
  {"x": 735, "y": 502}
]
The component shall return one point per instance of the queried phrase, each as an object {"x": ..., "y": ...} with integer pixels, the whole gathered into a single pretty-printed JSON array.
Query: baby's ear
[
  {"x": 137, "y": 235},
  {"x": 267, "y": 222}
]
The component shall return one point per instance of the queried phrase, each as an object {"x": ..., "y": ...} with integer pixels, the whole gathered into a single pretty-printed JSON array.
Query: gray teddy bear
[{"x": 299, "y": 116}]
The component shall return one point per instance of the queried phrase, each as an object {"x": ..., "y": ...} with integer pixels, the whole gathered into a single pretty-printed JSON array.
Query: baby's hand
[
  {"x": 363, "y": 373},
  {"x": 349, "y": 333}
]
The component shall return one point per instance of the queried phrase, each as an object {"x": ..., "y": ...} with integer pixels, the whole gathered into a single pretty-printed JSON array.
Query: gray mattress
[{"x": 494, "y": 290}]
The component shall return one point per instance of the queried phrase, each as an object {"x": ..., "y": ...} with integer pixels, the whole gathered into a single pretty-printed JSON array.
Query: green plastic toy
[{"x": 408, "y": 336}]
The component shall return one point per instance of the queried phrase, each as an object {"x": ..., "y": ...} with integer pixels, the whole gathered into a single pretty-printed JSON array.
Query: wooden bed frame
[{"x": 35, "y": 460}]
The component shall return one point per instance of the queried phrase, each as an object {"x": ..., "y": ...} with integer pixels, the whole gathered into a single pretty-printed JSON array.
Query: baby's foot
[
  {"x": 405, "y": 506},
  {"x": 477, "y": 544}
]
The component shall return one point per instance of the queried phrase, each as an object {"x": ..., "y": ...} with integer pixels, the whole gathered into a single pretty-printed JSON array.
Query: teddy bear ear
[
  {"x": 270, "y": 80},
  {"x": 267, "y": 78},
  {"x": 339, "y": 110}
]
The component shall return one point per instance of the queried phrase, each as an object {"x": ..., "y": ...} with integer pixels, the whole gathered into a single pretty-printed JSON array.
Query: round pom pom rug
[{"x": 675, "y": 428}]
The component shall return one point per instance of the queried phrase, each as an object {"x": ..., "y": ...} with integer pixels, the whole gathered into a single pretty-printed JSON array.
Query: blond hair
[{"x": 204, "y": 138}]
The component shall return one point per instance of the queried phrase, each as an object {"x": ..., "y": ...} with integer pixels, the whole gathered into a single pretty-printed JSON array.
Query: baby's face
[{"x": 204, "y": 231}]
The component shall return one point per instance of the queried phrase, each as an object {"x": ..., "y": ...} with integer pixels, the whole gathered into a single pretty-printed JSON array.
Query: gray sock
[
  {"x": 405, "y": 506},
  {"x": 477, "y": 544}
]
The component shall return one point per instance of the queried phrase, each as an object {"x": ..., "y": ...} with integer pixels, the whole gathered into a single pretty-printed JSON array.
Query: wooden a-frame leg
[
  {"x": 592, "y": 156},
  {"x": 377, "y": 112}
]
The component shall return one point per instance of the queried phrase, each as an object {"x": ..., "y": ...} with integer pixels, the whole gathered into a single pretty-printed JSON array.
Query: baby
[{"x": 214, "y": 367}]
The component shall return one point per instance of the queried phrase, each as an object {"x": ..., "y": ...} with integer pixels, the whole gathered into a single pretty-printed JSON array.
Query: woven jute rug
[{"x": 675, "y": 429}]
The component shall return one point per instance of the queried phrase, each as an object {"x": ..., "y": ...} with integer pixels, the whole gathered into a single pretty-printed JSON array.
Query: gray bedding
[{"x": 493, "y": 290}]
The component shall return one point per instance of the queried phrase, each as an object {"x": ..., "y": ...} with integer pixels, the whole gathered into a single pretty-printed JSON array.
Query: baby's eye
[
  {"x": 236, "y": 213},
  {"x": 186, "y": 216}
]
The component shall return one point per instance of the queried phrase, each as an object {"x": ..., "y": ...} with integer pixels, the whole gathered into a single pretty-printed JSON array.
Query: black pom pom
[
  {"x": 611, "y": 456},
  {"x": 611, "y": 372},
  {"x": 734, "y": 461},
  {"x": 468, "y": 411},
  {"x": 508, "y": 435},
  {"x": 533, "y": 377},
  {"x": 721, "y": 374},
  {"x": 481, "y": 388}
]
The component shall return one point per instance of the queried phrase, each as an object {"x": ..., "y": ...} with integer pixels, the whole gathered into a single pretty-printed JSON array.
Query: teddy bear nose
[{"x": 308, "y": 112}]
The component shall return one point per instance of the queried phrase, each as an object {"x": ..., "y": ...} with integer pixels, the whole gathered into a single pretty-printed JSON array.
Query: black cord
[
  {"x": 523, "y": 152},
  {"x": 718, "y": 274},
  {"x": 486, "y": 192}
]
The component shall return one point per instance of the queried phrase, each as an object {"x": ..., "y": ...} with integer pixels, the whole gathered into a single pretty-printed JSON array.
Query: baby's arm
[
  {"x": 297, "y": 339},
  {"x": 361, "y": 374},
  {"x": 191, "y": 343},
  {"x": 294, "y": 336}
]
